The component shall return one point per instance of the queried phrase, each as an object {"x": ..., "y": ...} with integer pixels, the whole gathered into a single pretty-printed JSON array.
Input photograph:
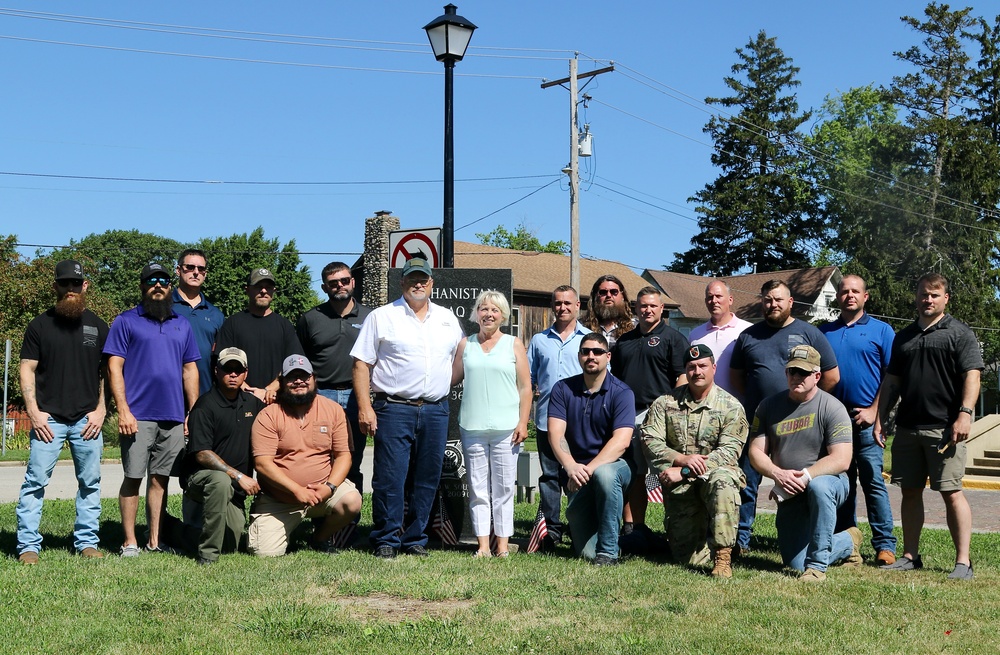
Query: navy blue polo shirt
[
  {"x": 863, "y": 350},
  {"x": 591, "y": 418},
  {"x": 205, "y": 319}
]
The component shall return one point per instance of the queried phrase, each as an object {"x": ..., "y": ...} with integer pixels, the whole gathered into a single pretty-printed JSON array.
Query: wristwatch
[
  {"x": 686, "y": 472},
  {"x": 239, "y": 476},
  {"x": 967, "y": 410},
  {"x": 333, "y": 489}
]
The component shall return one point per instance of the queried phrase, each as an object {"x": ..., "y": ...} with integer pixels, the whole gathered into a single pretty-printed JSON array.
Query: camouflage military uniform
[{"x": 709, "y": 505}]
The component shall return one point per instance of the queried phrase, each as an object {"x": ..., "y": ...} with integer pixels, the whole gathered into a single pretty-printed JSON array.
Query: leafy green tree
[
  {"x": 522, "y": 238},
  {"x": 119, "y": 256},
  {"x": 760, "y": 210},
  {"x": 230, "y": 260}
]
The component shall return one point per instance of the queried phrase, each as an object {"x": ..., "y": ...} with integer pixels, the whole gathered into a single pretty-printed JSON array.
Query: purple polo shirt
[
  {"x": 591, "y": 418},
  {"x": 155, "y": 354}
]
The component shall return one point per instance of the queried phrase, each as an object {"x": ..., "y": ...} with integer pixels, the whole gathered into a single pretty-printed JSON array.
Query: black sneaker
[
  {"x": 604, "y": 560},
  {"x": 904, "y": 564},
  {"x": 418, "y": 551},
  {"x": 202, "y": 561},
  {"x": 627, "y": 528},
  {"x": 384, "y": 552}
]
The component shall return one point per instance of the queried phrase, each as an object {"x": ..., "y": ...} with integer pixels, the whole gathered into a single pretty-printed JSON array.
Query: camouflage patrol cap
[{"x": 698, "y": 351}]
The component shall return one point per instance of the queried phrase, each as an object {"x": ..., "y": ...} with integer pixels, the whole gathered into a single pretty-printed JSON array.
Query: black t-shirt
[
  {"x": 222, "y": 426},
  {"x": 932, "y": 364},
  {"x": 69, "y": 353},
  {"x": 328, "y": 338},
  {"x": 267, "y": 341},
  {"x": 649, "y": 363}
]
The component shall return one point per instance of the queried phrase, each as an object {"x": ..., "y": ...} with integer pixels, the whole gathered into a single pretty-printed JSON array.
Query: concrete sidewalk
[
  {"x": 63, "y": 481},
  {"x": 985, "y": 503}
]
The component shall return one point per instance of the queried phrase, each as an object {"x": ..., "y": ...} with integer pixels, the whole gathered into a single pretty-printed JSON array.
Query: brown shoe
[
  {"x": 812, "y": 575},
  {"x": 28, "y": 557},
  {"x": 91, "y": 553},
  {"x": 855, "y": 559},
  {"x": 723, "y": 563},
  {"x": 885, "y": 558}
]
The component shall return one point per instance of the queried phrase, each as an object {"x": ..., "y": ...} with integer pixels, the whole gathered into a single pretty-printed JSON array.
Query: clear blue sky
[{"x": 116, "y": 112}]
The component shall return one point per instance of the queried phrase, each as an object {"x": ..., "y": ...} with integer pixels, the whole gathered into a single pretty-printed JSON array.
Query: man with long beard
[
  {"x": 609, "y": 311},
  {"x": 302, "y": 454},
  {"x": 152, "y": 367},
  {"x": 757, "y": 370},
  {"x": 63, "y": 388}
]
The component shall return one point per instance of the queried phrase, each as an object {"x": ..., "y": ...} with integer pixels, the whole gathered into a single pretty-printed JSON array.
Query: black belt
[
  {"x": 339, "y": 387},
  {"x": 378, "y": 395}
]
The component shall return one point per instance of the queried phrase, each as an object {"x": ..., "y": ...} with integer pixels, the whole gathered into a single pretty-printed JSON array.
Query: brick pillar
[{"x": 377, "y": 229}]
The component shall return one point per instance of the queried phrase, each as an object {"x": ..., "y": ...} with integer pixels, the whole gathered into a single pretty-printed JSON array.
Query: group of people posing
[{"x": 254, "y": 406}]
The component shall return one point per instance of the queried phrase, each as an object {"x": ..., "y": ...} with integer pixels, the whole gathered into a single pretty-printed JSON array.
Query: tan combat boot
[{"x": 723, "y": 563}]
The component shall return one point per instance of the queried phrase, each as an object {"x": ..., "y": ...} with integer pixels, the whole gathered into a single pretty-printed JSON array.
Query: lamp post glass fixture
[{"x": 449, "y": 35}]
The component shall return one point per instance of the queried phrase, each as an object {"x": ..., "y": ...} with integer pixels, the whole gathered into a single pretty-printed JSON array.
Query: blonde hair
[{"x": 496, "y": 298}]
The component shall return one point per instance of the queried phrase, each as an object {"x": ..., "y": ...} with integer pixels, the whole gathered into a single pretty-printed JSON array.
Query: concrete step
[
  {"x": 986, "y": 471},
  {"x": 986, "y": 461},
  {"x": 992, "y": 453}
]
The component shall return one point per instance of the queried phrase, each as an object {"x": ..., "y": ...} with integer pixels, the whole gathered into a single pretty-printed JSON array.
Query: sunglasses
[
  {"x": 162, "y": 281},
  {"x": 69, "y": 284},
  {"x": 594, "y": 351},
  {"x": 339, "y": 281},
  {"x": 607, "y": 292},
  {"x": 238, "y": 370},
  {"x": 191, "y": 268}
]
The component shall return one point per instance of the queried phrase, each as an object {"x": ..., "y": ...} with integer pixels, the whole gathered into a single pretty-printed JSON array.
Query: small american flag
[
  {"x": 343, "y": 537},
  {"x": 538, "y": 533},
  {"x": 654, "y": 492},
  {"x": 441, "y": 525}
]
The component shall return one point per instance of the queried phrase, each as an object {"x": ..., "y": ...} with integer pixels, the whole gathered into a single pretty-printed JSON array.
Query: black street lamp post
[{"x": 449, "y": 35}]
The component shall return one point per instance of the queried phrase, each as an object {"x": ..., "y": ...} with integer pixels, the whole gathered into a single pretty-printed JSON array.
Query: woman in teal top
[{"x": 496, "y": 401}]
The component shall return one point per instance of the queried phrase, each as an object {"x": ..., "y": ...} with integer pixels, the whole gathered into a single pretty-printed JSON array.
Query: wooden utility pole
[{"x": 574, "y": 166}]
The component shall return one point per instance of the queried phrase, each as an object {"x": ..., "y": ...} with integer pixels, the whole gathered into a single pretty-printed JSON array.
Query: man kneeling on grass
[
  {"x": 803, "y": 441},
  {"x": 301, "y": 449}
]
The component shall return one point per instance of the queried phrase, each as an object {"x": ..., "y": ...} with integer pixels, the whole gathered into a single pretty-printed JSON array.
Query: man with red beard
[
  {"x": 63, "y": 387},
  {"x": 152, "y": 367},
  {"x": 757, "y": 370},
  {"x": 609, "y": 311}
]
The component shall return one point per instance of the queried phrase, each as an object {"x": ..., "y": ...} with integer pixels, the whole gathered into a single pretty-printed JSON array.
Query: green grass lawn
[
  {"x": 310, "y": 603},
  {"x": 21, "y": 454}
]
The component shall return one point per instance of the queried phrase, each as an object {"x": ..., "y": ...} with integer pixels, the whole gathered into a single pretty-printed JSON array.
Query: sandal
[
  {"x": 481, "y": 553},
  {"x": 503, "y": 554}
]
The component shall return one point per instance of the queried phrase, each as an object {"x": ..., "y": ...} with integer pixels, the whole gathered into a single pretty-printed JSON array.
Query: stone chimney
[{"x": 375, "y": 283}]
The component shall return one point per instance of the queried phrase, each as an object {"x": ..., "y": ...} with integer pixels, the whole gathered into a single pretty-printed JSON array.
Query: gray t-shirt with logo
[{"x": 799, "y": 434}]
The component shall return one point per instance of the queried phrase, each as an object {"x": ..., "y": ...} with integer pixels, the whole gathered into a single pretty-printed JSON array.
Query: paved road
[
  {"x": 985, "y": 503},
  {"x": 63, "y": 482}
]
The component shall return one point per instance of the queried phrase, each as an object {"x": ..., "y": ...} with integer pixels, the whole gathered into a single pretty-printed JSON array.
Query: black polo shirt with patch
[
  {"x": 932, "y": 364},
  {"x": 222, "y": 426},
  {"x": 649, "y": 363},
  {"x": 327, "y": 338}
]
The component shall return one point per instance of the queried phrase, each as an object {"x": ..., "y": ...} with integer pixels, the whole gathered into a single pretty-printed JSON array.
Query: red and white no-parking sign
[{"x": 406, "y": 244}]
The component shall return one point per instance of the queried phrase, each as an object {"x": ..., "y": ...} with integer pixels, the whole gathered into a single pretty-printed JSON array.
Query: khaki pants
[{"x": 272, "y": 522}]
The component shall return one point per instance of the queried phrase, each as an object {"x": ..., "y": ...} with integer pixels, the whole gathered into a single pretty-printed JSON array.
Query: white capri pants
[{"x": 491, "y": 463}]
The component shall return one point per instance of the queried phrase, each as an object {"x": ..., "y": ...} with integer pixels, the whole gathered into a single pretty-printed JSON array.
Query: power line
[
  {"x": 511, "y": 204},
  {"x": 263, "y": 182},
  {"x": 261, "y": 61}
]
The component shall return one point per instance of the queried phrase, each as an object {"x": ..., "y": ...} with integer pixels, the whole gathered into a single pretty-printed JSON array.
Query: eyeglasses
[
  {"x": 417, "y": 283},
  {"x": 191, "y": 268},
  {"x": 607, "y": 292},
  {"x": 339, "y": 281},
  {"x": 69, "y": 284},
  {"x": 153, "y": 281},
  {"x": 593, "y": 351},
  {"x": 797, "y": 373},
  {"x": 229, "y": 370}
]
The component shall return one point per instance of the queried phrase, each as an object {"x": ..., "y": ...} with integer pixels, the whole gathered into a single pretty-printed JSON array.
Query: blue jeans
[
  {"x": 866, "y": 467},
  {"x": 409, "y": 441},
  {"x": 345, "y": 398},
  {"x": 549, "y": 491},
  {"x": 748, "y": 499},
  {"x": 805, "y": 525},
  {"x": 594, "y": 511},
  {"x": 41, "y": 461}
]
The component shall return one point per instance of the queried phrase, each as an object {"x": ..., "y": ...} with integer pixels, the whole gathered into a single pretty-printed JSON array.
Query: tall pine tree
[{"x": 760, "y": 212}]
